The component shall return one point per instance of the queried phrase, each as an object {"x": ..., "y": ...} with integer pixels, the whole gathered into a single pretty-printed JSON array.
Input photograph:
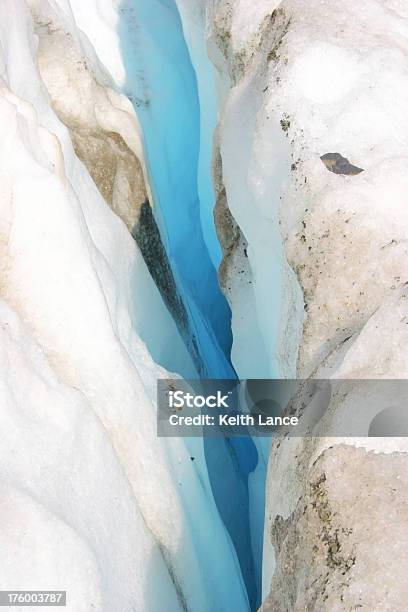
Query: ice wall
[
  {"x": 107, "y": 138},
  {"x": 85, "y": 483},
  {"x": 323, "y": 254},
  {"x": 192, "y": 15},
  {"x": 252, "y": 169}
]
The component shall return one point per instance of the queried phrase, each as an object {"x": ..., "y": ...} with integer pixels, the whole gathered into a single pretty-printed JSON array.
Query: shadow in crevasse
[{"x": 147, "y": 236}]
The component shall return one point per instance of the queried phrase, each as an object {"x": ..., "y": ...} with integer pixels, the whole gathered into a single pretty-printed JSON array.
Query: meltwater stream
[{"x": 162, "y": 85}]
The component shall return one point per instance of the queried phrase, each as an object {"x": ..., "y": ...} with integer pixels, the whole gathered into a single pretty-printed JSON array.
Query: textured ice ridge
[{"x": 92, "y": 502}]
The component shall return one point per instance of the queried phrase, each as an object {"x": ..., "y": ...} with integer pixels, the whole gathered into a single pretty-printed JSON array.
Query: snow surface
[{"x": 119, "y": 518}]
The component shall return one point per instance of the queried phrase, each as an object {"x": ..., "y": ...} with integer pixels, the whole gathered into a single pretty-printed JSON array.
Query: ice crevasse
[{"x": 90, "y": 497}]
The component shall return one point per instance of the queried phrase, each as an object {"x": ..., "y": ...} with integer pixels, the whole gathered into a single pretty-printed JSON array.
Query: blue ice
[{"x": 162, "y": 85}]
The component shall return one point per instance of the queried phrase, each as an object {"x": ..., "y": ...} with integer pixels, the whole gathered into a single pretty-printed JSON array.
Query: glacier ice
[
  {"x": 320, "y": 261},
  {"x": 318, "y": 80},
  {"x": 82, "y": 464},
  {"x": 314, "y": 270}
]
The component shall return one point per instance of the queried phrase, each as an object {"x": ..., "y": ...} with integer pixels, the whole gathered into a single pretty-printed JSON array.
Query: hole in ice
[{"x": 391, "y": 422}]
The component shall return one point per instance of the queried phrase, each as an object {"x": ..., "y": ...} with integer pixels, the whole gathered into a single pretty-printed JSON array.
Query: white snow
[
  {"x": 312, "y": 83},
  {"x": 99, "y": 21}
]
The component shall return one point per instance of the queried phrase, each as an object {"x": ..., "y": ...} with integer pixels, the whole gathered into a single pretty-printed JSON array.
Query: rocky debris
[
  {"x": 103, "y": 132},
  {"x": 342, "y": 547},
  {"x": 233, "y": 243},
  {"x": 229, "y": 234},
  {"x": 277, "y": 29},
  {"x": 147, "y": 236},
  {"x": 285, "y": 123},
  {"x": 338, "y": 164}
]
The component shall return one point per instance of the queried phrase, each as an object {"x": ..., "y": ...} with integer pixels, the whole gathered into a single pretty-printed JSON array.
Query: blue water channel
[{"x": 162, "y": 85}]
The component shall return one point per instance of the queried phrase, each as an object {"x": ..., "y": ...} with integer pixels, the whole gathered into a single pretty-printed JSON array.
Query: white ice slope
[
  {"x": 92, "y": 502},
  {"x": 324, "y": 270}
]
